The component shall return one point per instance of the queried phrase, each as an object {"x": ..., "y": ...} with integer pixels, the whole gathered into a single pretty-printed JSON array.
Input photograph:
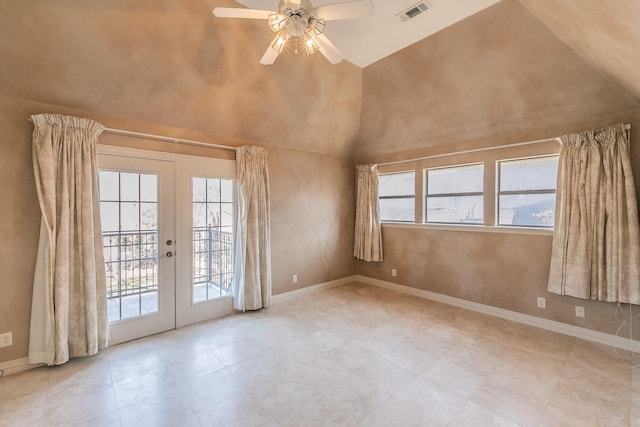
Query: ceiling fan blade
[
  {"x": 327, "y": 48},
  {"x": 270, "y": 56},
  {"x": 349, "y": 10},
  {"x": 235, "y": 12}
]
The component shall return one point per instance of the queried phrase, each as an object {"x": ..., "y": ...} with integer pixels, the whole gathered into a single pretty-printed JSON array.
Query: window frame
[
  {"x": 407, "y": 196},
  {"x": 426, "y": 195},
  {"x": 499, "y": 192}
]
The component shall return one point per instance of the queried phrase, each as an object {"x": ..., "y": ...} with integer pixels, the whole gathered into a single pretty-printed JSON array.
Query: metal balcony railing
[
  {"x": 131, "y": 261},
  {"x": 213, "y": 259}
]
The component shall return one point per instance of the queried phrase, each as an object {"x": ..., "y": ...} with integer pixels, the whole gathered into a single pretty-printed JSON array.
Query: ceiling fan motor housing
[{"x": 299, "y": 17}]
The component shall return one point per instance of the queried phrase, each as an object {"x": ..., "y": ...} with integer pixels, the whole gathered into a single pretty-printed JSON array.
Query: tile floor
[{"x": 354, "y": 355}]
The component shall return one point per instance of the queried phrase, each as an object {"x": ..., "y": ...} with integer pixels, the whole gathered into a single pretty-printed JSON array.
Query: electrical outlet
[
  {"x": 295, "y": 278},
  {"x": 394, "y": 273},
  {"x": 579, "y": 311},
  {"x": 542, "y": 302},
  {"x": 6, "y": 339}
]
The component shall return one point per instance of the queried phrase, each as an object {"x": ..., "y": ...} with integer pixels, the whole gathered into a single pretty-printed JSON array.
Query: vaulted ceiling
[
  {"x": 366, "y": 40},
  {"x": 606, "y": 33},
  {"x": 173, "y": 63}
]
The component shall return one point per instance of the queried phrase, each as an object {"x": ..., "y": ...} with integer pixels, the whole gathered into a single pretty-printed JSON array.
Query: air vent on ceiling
[{"x": 413, "y": 11}]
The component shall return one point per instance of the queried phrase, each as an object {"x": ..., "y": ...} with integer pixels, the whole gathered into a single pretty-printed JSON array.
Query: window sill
[{"x": 472, "y": 228}]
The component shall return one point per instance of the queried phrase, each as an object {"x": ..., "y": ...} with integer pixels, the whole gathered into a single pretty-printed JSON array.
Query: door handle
[
  {"x": 169, "y": 254},
  {"x": 169, "y": 242}
]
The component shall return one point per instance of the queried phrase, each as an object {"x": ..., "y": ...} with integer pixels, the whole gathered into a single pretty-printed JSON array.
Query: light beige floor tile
[
  {"x": 395, "y": 413},
  {"x": 556, "y": 416},
  {"x": 318, "y": 372},
  {"x": 237, "y": 351},
  {"x": 434, "y": 401},
  {"x": 23, "y": 384},
  {"x": 143, "y": 363},
  {"x": 608, "y": 408},
  {"x": 477, "y": 416},
  {"x": 475, "y": 357},
  {"x": 211, "y": 389},
  {"x": 342, "y": 403},
  {"x": 191, "y": 363},
  {"x": 79, "y": 403},
  {"x": 448, "y": 333},
  {"x": 25, "y": 411},
  {"x": 523, "y": 380},
  {"x": 139, "y": 387},
  {"x": 454, "y": 378},
  {"x": 241, "y": 411},
  {"x": 466, "y": 320},
  {"x": 384, "y": 374},
  {"x": 168, "y": 408},
  {"x": 351, "y": 355},
  {"x": 525, "y": 409},
  {"x": 330, "y": 358},
  {"x": 401, "y": 352},
  {"x": 258, "y": 368},
  {"x": 89, "y": 371},
  {"x": 128, "y": 349},
  {"x": 112, "y": 419}
]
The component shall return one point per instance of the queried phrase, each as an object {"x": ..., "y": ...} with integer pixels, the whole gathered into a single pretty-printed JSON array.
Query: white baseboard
[
  {"x": 314, "y": 288},
  {"x": 550, "y": 325},
  {"x": 17, "y": 365}
]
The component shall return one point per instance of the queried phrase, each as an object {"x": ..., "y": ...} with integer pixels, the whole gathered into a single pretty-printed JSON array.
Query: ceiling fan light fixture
[
  {"x": 279, "y": 42},
  {"x": 317, "y": 25},
  {"x": 277, "y": 22},
  {"x": 310, "y": 45}
]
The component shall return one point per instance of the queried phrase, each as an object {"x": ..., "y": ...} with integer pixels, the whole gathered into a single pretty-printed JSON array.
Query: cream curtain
[
  {"x": 368, "y": 232},
  {"x": 68, "y": 313},
  {"x": 596, "y": 241},
  {"x": 252, "y": 273}
]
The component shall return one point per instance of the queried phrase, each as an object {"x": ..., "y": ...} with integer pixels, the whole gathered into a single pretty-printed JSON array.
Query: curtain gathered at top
[
  {"x": 368, "y": 232},
  {"x": 596, "y": 240},
  {"x": 252, "y": 272},
  {"x": 69, "y": 307}
]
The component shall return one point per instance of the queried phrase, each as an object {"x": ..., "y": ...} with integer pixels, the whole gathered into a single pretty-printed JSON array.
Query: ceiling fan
[{"x": 297, "y": 21}]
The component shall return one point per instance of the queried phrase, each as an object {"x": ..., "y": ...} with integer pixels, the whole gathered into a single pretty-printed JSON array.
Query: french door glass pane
[
  {"x": 212, "y": 231},
  {"x": 129, "y": 214}
]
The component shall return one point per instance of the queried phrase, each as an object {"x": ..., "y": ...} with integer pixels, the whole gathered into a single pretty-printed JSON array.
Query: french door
[
  {"x": 137, "y": 214},
  {"x": 168, "y": 251},
  {"x": 207, "y": 219}
]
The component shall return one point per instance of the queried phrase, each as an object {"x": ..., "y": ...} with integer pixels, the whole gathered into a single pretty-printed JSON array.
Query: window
[
  {"x": 129, "y": 213},
  {"x": 527, "y": 191},
  {"x": 397, "y": 196},
  {"x": 454, "y": 195},
  {"x": 212, "y": 231}
]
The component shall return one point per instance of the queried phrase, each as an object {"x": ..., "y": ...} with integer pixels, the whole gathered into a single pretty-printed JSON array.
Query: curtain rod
[
  {"x": 167, "y": 139},
  {"x": 475, "y": 150}
]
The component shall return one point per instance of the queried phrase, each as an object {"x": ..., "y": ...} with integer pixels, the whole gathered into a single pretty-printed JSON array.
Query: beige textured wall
[
  {"x": 505, "y": 270},
  {"x": 312, "y": 210},
  {"x": 604, "y": 32},
  {"x": 499, "y": 77},
  {"x": 174, "y": 63},
  {"x": 313, "y": 203},
  {"x": 499, "y": 72}
]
